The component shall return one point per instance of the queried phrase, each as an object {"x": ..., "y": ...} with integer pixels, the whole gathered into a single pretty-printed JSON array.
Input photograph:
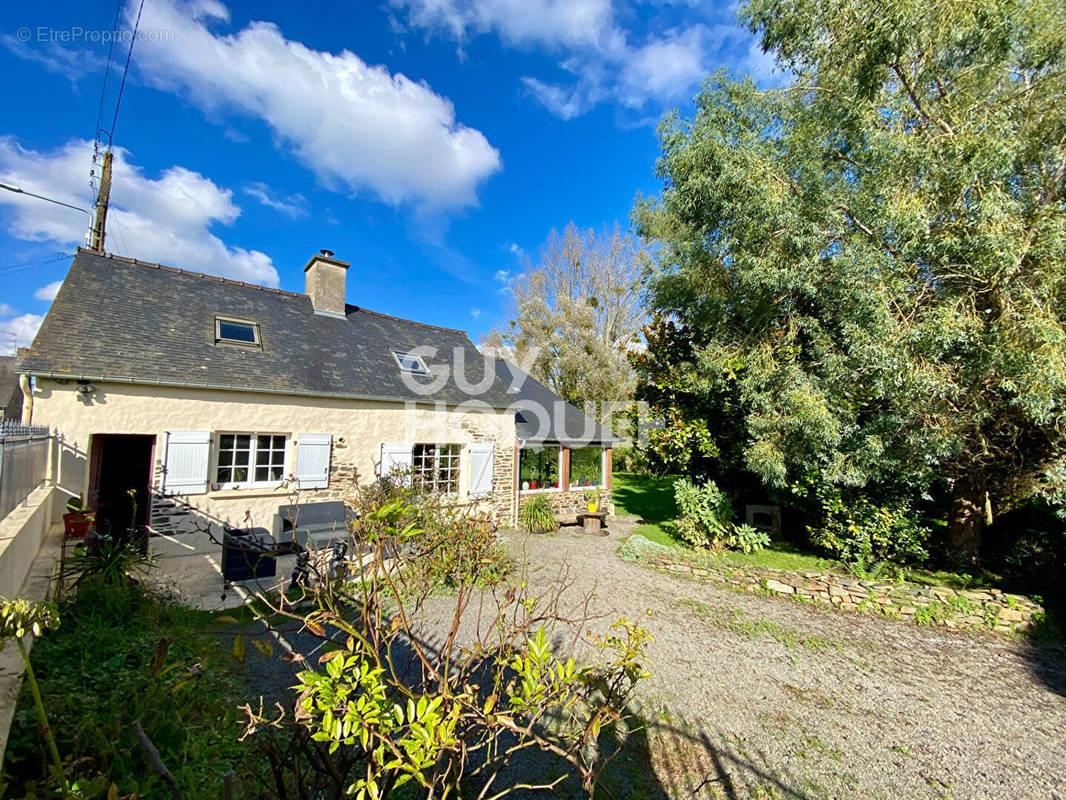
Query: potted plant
[
  {"x": 592, "y": 499},
  {"x": 536, "y": 515},
  {"x": 78, "y": 519}
]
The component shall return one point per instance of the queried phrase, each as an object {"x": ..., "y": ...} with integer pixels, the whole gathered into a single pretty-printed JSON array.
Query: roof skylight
[
  {"x": 410, "y": 363},
  {"x": 236, "y": 331}
]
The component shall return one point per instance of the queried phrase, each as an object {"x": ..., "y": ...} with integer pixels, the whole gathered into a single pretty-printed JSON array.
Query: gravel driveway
[{"x": 755, "y": 696}]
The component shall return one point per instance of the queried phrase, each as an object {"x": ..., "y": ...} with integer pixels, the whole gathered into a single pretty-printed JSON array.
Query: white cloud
[
  {"x": 475, "y": 312},
  {"x": 49, "y": 291},
  {"x": 516, "y": 249},
  {"x": 357, "y": 126},
  {"x": 550, "y": 23},
  {"x": 165, "y": 219},
  {"x": 502, "y": 276},
  {"x": 6, "y": 310},
  {"x": 293, "y": 205},
  {"x": 607, "y": 60},
  {"x": 663, "y": 66},
  {"x": 18, "y": 332},
  {"x": 71, "y": 64}
]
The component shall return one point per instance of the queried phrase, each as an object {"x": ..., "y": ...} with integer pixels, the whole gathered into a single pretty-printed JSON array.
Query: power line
[
  {"x": 103, "y": 96},
  {"x": 20, "y": 190},
  {"x": 125, "y": 71},
  {"x": 11, "y": 269}
]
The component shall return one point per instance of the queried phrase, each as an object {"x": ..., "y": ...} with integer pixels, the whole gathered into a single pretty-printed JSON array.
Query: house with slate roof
[{"x": 215, "y": 400}]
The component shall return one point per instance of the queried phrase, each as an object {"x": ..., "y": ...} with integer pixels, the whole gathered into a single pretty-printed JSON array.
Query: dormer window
[
  {"x": 236, "y": 331},
  {"x": 410, "y": 363}
]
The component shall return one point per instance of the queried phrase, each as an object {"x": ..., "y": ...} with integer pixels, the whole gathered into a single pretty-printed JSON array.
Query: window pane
[
  {"x": 244, "y": 441},
  {"x": 586, "y": 467},
  {"x": 538, "y": 469},
  {"x": 226, "y": 441},
  {"x": 241, "y": 457},
  {"x": 236, "y": 331},
  {"x": 262, "y": 473}
]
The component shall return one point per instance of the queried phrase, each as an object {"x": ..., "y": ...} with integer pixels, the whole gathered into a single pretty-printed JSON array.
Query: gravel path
[{"x": 755, "y": 696}]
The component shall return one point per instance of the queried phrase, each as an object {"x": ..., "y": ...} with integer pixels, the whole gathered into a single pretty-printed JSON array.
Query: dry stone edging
[{"x": 988, "y": 609}]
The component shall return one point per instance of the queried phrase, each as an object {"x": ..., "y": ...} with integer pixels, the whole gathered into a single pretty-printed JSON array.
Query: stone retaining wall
[{"x": 990, "y": 609}]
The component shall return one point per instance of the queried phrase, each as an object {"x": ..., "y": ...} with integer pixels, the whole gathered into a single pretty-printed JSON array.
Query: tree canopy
[
  {"x": 870, "y": 262},
  {"x": 575, "y": 314}
]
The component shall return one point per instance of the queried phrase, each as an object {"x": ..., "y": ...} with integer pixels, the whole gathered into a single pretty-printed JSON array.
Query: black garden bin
[{"x": 248, "y": 554}]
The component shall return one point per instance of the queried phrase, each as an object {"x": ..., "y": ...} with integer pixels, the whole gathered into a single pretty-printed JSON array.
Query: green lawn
[
  {"x": 652, "y": 499},
  {"x": 649, "y": 497}
]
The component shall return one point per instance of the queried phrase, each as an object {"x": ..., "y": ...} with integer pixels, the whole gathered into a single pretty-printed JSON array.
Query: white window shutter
[
  {"x": 312, "y": 460},
  {"x": 395, "y": 457},
  {"x": 480, "y": 470},
  {"x": 186, "y": 462}
]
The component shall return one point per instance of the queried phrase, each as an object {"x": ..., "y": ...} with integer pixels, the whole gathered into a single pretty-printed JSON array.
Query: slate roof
[
  {"x": 118, "y": 319},
  {"x": 543, "y": 415}
]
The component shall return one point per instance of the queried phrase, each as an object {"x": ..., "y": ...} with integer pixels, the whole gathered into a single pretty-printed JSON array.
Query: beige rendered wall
[{"x": 358, "y": 429}]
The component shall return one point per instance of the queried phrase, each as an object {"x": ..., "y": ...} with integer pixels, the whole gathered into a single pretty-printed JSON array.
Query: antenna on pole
[{"x": 102, "y": 198}]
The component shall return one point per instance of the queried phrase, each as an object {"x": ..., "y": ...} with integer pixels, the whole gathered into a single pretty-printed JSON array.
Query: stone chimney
[{"x": 325, "y": 283}]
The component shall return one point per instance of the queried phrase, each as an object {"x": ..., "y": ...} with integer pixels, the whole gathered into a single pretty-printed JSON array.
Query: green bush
[
  {"x": 747, "y": 539},
  {"x": 123, "y": 654},
  {"x": 630, "y": 459},
  {"x": 637, "y": 549},
  {"x": 705, "y": 520},
  {"x": 454, "y": 545},
  {"x": 705, "y": 514},
  {"x": 859, "y": 531},
  {"x": 536, "y": 515}
]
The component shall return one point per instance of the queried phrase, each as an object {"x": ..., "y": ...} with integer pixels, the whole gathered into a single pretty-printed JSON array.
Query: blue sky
[{"x": 432, "y": 143}]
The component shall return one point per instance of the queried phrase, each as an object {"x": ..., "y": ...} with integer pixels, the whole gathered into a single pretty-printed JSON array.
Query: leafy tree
[
  {"x": 873, "y": 258},
  {"x": 575, "y": 314}
]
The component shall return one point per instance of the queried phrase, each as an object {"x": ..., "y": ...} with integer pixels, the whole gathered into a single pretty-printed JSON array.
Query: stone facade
[
  {"x": 357, "y": 428},
  {"x": 567, "y": 504},
  {"x": 990, "y": 609}
]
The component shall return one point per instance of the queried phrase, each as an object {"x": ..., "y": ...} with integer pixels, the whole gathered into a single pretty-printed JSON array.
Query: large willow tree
[{"x": 872, "y": 259}]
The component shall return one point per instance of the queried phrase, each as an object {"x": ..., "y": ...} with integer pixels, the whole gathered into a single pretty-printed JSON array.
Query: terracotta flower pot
[{"x": 76, "y": 525}]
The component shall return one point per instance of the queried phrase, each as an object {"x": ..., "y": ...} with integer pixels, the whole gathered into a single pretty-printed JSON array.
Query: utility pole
[{"x": 99, "y": 225}]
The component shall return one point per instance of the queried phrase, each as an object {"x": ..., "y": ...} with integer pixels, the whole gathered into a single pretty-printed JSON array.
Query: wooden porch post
[
  {"x": 564, "y": 478},
  {"x": 608, "y": 460}
]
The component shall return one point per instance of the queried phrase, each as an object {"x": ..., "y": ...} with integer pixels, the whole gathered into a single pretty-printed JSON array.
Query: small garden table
[{"x": 592, "y": 523}]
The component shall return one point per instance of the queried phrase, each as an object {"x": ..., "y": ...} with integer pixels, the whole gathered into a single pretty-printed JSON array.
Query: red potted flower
[{"x": 78, "y": 520}]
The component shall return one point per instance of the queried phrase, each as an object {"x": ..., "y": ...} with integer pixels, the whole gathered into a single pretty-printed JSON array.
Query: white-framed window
[
  {"x": 250, "y": 459},
  {"x": 236, "y": 331},
  {"x": 436, "y": 467},
  {"x": 409, "y": 362},
  {"x": 539, "y": 468}
]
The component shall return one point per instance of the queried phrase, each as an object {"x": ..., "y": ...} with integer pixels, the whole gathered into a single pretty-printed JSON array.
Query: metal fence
[{"x": 23, "y": 463}]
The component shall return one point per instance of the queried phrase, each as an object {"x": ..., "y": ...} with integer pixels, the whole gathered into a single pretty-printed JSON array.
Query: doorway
[{"x": 120, "y": 478}]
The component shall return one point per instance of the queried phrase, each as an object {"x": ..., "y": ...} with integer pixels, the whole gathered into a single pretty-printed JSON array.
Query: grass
[
  {"x": 122, "y": 655},
  {"x": 649, "y": 497},
  {"x": 652, "y": 499}
]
